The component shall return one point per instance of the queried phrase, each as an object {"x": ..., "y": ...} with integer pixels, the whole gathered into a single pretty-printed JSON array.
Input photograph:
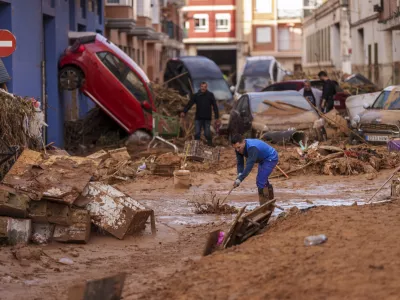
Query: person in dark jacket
[
  {"x": 255, "y": 151},
  {"x": 205, "y": 102},
  {"x": 328, "y": 92}
]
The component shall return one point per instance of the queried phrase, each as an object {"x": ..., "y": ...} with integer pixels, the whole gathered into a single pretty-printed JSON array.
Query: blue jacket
[{"x": 256, "y": 151}]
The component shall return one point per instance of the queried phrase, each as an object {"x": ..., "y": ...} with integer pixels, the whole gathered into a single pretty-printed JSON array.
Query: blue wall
[{"x": 41, "y": 28}]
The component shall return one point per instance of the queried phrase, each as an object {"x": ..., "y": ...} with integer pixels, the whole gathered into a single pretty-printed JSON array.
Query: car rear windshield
[
  {"x": 388, "y": 100},
  {"x": 250, "y": 84},
  {"x": 257, "y": 105}
]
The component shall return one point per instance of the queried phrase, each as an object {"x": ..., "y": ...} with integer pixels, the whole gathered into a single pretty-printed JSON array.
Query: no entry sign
[{"x": 7, "y": 43}]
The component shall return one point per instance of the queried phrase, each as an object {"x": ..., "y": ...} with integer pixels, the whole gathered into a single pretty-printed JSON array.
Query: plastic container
[
  {"x": 315, "y": 240},
  {"x": 182, "y": 179}
]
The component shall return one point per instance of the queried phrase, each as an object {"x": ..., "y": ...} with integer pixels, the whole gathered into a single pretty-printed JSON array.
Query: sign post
[{"x": 8, "y": 43}]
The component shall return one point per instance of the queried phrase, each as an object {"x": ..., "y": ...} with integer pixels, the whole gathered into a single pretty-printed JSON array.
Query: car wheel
[
  {"x": 138, "y": 140},
  {"x": 70, "y": 78}
]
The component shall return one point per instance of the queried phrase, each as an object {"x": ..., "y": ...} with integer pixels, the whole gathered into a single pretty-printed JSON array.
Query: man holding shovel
[{"x": 255, "y": 151}]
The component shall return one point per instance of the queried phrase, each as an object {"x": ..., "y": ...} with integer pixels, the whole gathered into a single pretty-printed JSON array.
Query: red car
[
  {"x": 108, "y": 76},
  {"x": 297, "y": 85}
]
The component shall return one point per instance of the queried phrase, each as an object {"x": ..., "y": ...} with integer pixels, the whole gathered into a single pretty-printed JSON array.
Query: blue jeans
[
  {"x": 205, "y": 124},
  {"x": 264, "y": 170}
]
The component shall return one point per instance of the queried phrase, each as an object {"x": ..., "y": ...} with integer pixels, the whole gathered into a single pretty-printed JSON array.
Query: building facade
[
  {"x": 149, "y": 31},
  {"x": 228, "y": 31},
  {"x": 326, "y": 38},
  {"x": 43, "y": 29}
]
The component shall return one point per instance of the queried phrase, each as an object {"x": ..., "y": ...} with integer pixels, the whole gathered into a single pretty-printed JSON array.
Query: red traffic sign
[{"x": 8, "y": 43}]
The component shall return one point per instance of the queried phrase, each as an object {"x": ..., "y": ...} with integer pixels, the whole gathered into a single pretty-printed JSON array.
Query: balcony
[
  {"x": 290, "y": 13},
  {"x": 120, "y": 15},
  {"x": 173, "y": 31}
]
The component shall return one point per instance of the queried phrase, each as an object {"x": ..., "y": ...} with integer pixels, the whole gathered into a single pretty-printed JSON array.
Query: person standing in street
[
  {"x": 311, "y": 94},
  {"x": 205, "y": 102},
  {"x": 328, "y": 92},
  {"x": 255, "y": 151}
]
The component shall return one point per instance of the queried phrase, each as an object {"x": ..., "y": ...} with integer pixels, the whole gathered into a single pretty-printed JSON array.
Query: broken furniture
[
  {"x": 113, "y": 211},
  {"x": 164, "y": 126},
  {"x": 197, "y": 151},
  {"x": 249, "y": 224}
]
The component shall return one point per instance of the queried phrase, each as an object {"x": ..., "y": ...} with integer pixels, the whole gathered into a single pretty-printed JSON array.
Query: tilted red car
[{"x": 109, "y": 77}]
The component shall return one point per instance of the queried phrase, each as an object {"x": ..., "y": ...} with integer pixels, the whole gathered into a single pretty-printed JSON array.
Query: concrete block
[
  {"x": 58, "y": 213},
  {"x": 50, "y": 212},
  {"x": 13, "y": 204},
  {"x": 78, "y": 232},
  {"x": 15, "y": 231},
  {"x": 44, "y": 231}
]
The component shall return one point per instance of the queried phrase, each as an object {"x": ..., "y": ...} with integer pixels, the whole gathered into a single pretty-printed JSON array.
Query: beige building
[
  {"x": 326, "y": 38},
  {"x": 149, "y": 31}
]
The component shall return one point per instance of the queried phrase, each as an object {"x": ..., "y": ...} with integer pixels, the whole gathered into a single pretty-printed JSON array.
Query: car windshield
[
  {"x": 250, "y": 84},
  {"x": 218, "y": 87},
  {"x": 257, "y": 105},
  {"x": 388, "y": 100}
]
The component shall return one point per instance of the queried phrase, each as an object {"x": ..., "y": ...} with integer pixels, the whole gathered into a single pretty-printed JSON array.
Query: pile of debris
[
  {"x": 96, "y": 129},
  {"x": 53, "y": 197},
  {"x": 330, "y": 160},
  {"x": 17, "y": 112},
  {"x": 168, "y": 101}
]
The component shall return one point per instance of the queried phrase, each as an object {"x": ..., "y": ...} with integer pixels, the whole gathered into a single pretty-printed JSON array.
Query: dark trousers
[
  {"x": 329, "y": 105},
  {"x": 203, "y": 124}
]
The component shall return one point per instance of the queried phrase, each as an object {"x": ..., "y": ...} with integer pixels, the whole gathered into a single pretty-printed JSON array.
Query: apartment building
[
  {"x": 372, "y": 52},
  {"x": 149, "y": 31},
  {"x": 326, "y": 38},
  {"x": 227, "y": 31},
  {"x": 211, "y": 31}
]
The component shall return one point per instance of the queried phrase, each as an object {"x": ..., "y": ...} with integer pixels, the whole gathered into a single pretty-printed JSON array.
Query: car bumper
[{"x": 378, "y": 137}]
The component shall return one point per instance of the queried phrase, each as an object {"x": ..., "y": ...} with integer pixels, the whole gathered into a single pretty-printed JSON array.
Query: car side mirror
[
  {"x": 146, "y": 105},
  {"x": 232, "y": 88},
  {"x": 366, "y": 106}
]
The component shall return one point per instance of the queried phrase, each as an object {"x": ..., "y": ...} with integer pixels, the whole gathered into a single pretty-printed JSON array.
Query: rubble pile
[
  {"x": 47, "y": 198},
  {"x": 95, "y": 129},
  {"x": 168, "y": 101},
  {"x": 331, "y": 160},
  {"x": 17, "y": 112}
]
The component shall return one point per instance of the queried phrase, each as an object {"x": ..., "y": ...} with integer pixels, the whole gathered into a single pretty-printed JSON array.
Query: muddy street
[{"x": 156, "y": 265}]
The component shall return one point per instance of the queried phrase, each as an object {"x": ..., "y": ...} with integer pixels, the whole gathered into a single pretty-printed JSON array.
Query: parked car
[
  {"x": 297, "y": 85},
  {"x": 109, "y": 77},
  {"x": 380, "y": 122},
  {"x": 258, "y": 72},
  {"x": 186, "y": 73},
  {"x": 272, "y": 112}
]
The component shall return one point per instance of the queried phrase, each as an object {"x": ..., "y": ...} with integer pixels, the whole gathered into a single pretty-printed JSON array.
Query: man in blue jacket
[{"x": 255, "y": 151}]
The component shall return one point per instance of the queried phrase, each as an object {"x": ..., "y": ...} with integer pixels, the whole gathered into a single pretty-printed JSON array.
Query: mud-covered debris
[{"x": 211, "y": 204}]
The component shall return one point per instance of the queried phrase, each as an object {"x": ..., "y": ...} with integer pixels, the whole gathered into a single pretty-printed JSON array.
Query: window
[
  {"x": 223, "y": 22},
  {"x": 200, "y": 22},
  {"x": 138, "y": 56},
  {"x": 263, "y": 35},
  {"x": 133, "y": 83},
  {"x": 112, "y": 63},
  {"x": 283, "y": 39},
  {"x": 264, "y": 6}
]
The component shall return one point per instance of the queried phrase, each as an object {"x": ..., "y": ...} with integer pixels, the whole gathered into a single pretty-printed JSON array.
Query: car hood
[
  {"x": 269, "y": 122},
  {"x": 355, "y": 104},
  {"x": 381, "y": 116}
]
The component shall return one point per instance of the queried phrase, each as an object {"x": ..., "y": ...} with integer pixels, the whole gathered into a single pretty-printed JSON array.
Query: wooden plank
[{"x": 233, "y": 227}]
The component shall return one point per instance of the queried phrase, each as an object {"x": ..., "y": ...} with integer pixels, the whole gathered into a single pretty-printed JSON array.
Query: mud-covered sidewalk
[{"x": 359, "y": 260}]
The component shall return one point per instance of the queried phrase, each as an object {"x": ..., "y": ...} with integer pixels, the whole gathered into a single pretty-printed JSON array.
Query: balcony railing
[
  {"x": 290, "y": 13},
  {"x": 119, "y": 2},
  {"x": 172, "y": 30}
]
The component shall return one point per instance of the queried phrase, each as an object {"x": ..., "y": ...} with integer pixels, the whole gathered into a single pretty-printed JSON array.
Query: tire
[
  {"x": 138, "y": 140},
  {"x": 70, "y": 78}
]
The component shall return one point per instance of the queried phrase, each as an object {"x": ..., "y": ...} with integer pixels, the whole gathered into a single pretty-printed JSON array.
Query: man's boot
[
  {"x": 263, "y": 195},
  {"x": 270, "y": 192}
]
